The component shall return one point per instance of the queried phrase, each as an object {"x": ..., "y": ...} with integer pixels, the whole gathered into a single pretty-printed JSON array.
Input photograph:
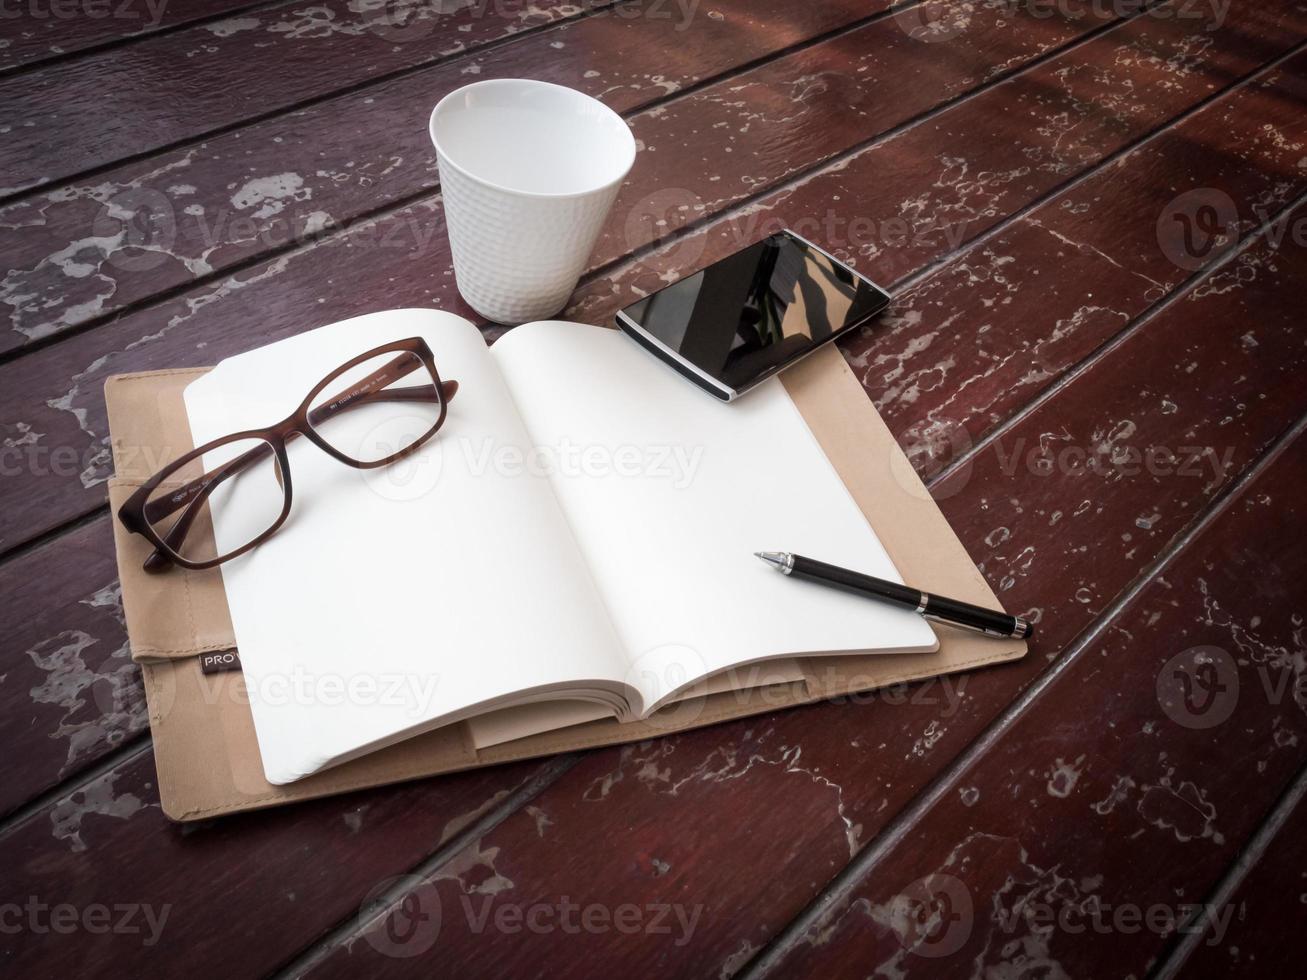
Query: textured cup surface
[{"x": 528, "y": 172}]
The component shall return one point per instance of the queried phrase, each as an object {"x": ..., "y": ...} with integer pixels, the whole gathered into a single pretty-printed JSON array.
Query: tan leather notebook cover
[{"x": 204, "y": 743}]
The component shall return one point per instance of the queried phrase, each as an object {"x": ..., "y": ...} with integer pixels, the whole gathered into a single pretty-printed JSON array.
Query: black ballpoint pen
[{"x": 935, "y": 607}]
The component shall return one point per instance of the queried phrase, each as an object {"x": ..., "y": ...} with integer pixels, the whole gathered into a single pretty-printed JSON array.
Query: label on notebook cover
[{"x": 216, "y": 663}]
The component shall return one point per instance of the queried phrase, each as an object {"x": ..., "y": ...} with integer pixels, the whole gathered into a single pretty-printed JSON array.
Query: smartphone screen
[{"x": 747, "y": 316}]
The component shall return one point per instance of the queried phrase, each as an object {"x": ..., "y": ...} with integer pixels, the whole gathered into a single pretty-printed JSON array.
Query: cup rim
[{"x": 562, "y": 195}]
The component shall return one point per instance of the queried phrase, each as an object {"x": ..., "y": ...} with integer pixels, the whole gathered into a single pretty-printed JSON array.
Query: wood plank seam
[
  {"x": 1253, "y": 850},
  {"x": 53, "y": 534},
  {"x": 123, "y": 41},
  {"x": 344, "y": 931},
  {"x": 765, "y": 961},
  {"x": 337, "y": 229}
]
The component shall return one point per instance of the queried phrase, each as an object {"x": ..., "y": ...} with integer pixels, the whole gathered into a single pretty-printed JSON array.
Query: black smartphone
[{"x": 752, "y": 314}]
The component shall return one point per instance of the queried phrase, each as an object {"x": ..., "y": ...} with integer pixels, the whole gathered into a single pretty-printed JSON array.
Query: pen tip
[{"x": 775, "y": 559}]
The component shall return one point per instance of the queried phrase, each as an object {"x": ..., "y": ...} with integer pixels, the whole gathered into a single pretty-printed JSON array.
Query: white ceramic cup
[{"x": 528, "y": 171}]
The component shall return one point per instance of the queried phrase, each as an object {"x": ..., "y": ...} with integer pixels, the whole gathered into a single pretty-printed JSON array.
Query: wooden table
[{"x": 1093, "y": 218}]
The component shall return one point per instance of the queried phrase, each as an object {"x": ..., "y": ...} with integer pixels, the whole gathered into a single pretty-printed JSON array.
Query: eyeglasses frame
[{"x": 133, "y": 515}]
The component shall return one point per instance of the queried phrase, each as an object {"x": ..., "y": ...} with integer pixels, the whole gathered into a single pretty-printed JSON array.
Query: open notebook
[{"x": 576, "y": 542}]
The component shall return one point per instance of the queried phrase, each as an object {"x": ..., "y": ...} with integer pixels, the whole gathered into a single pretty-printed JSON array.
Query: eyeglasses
[{"x": 222, "y": 499}]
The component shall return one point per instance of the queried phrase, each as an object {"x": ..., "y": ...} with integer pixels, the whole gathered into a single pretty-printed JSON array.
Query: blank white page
[
  {"x": 396, "y": 598},
  {"x": 670, "y": 492}
]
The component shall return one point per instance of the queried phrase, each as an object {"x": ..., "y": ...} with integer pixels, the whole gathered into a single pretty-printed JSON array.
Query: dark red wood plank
[
  {"x": 1098, "y": 824},
  {"x": 813, "y": 787},
  {"x": 1268, "y": 907},
  {"x": 69, "y": 690},
  {"x": 246, "y": 892},
  {"x": 1140, "y": 36},
  {"x": 36, "y": 30},
  {"x": 92, "y": 111},
  {"x": 82, "y": 251},
  {"x": 397, "y": 254}
]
